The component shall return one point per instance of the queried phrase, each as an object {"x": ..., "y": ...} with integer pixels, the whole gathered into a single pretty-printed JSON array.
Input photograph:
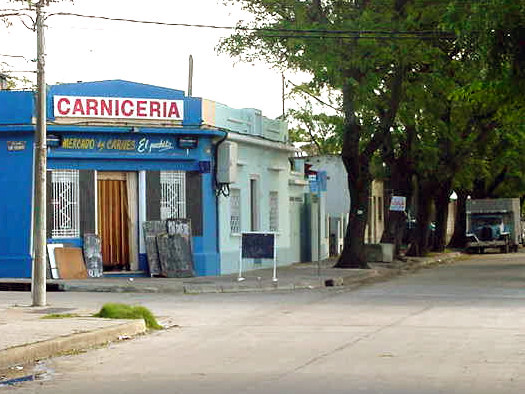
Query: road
[{"x": 453, "y": 329}]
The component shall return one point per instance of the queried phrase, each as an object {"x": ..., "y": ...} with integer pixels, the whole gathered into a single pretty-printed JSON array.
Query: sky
[{"x": 79, "y": 49}]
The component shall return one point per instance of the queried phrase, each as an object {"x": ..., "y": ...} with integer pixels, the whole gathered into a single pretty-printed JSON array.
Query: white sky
[{"x": 81, "y": 49}]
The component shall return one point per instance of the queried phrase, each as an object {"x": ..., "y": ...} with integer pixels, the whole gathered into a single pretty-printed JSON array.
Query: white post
[
  {"x": 240, "y": 278},
  {"x": 274, "y": 279}
]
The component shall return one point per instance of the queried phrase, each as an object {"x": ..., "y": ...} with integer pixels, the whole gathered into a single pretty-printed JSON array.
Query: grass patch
[
  {"x": 60, "y": 315},
  {"x": 124, "y": 311}
]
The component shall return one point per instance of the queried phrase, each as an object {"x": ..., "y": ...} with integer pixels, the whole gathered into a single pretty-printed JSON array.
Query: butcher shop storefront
[{"x": 119, "y": 154}]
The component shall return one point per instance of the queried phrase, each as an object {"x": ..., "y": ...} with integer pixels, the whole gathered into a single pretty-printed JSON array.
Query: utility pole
[
  {"x": 38, "y": 279},
  {"x": 190, "y": 77}
]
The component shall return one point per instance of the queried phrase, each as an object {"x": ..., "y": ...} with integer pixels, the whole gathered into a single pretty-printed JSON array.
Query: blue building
[{"x": 119, "y": 153}]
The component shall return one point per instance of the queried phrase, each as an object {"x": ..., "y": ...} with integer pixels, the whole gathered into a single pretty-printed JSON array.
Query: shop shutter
[
  {"x": 194, "y": 201},
  {"x": 87, "y": 201},
  {"x": 153, "y": 193}
]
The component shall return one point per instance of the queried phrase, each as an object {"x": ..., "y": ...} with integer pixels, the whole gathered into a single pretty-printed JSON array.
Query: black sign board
[
  {"x": 169, "y": 248},
  {"x": 258, "y": 245}
]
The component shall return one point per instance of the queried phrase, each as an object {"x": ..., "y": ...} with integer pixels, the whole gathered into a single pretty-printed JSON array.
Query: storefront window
[
  {"x": 173, "y": 195},
  {"x": 235, "y": 211},
  {"x": 65, "y": 201},
  {"x": 274, "y": 211}
]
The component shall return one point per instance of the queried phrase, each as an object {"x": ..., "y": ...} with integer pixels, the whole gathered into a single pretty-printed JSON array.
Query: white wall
[
  {"x": 271, "y": 169},
  {"x": 337, "y": 195}
]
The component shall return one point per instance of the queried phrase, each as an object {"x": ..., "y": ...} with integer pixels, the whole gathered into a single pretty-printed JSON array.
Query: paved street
[{"x": 453, "y": 329}]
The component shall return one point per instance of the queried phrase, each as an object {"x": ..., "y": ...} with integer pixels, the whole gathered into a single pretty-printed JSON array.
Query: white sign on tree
[{"x": 398, "y": 203}]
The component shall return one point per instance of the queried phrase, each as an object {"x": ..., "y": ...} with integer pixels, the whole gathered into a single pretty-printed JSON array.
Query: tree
[
  {"x": 326, "y": 39},
  {"x": 319, "y": 132},
  {"x": 492, "y": 35}
]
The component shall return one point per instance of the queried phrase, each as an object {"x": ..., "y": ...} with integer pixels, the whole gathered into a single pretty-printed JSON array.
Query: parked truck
[{"x": 494, "y": 223}]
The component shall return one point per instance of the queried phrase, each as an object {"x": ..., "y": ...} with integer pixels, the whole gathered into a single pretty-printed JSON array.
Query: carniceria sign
[{"x": 117, "y": 108}]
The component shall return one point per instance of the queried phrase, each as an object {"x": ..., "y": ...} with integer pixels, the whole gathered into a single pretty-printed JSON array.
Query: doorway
[{"x": 116, "y": 222}]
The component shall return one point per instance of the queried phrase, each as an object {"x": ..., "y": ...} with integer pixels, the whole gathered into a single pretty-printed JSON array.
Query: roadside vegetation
[{"x": 124, "y": 311}]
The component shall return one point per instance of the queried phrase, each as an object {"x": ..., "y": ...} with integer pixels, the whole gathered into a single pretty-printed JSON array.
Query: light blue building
[{"x": 264, "y": 192}]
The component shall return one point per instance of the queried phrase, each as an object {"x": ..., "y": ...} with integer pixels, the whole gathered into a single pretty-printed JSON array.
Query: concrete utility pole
[
  {"x": 190, "y": 76},
  {"x": 38, "y": 282}
]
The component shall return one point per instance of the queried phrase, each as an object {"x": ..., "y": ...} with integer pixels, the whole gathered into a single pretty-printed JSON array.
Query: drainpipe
[{"x": 218, "y": 191}]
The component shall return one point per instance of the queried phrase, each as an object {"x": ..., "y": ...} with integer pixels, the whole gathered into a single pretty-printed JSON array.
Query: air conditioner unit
[{"x": 227, "y": 162}]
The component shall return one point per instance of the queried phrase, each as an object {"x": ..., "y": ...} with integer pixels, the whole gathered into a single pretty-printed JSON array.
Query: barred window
[
  {"x": 173, "y": 195},
  {"x": 274, "y": 211},
  {"x": 235, "y": 211},
  {"x": 65, "y": 201}
]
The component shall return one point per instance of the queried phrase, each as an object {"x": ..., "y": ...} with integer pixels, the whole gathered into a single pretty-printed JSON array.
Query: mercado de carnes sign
[{"x": 117, "y": 108}]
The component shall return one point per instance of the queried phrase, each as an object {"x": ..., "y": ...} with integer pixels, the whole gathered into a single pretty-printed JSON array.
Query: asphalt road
[{"x": 453, "y": 329}]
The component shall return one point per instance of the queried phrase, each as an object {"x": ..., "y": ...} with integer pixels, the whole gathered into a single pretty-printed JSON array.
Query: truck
[{"x": 494, "y": 223}]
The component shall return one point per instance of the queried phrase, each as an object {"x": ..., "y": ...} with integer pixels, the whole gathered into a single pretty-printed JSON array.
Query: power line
[
  {"x": 18, "y": 71},
  {"x": 14, "y": 56},
  {"x": 287, "y": 33}
]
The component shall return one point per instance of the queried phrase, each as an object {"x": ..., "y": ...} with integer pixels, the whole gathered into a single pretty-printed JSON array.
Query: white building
[
  {"x": 261, "y": 191},
  {"x": 338, "y": 202}
]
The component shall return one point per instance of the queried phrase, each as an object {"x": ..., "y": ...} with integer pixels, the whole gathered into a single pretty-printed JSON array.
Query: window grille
[
  {"x": 235, "y": 211},
  {"x": 173, "y": 195},
  {"x": 274, "y": 211},
  {"x": 65, "y": 201}
]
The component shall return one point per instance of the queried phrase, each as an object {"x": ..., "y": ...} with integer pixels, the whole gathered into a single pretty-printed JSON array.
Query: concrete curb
[
  {"x": 353, "y": 278},
  {"x": 73, "y": 342}
]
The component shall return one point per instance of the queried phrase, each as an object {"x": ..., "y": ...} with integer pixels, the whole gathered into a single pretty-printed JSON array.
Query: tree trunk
[
  {"x": 441, "y": 199},
  {"x": 356, "y": 160},
  {"x": 401, "y": 171},
  {"x": 353, "y": 254},
  {"x": 459, "y": 239},
  {"x": 419, "y": 243},
  {"x": 395, "y": 222},
  {"x": 358, "y": 176}
]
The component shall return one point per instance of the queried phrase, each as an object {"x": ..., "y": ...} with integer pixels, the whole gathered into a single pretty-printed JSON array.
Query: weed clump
[{"x": 124, "y": 311}]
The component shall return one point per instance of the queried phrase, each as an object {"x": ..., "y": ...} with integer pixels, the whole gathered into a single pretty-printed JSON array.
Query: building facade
[
  {"x": 338, "y": 202},
  {"x": 122, "y": 153},
  {"x": 264, "y": 194}
]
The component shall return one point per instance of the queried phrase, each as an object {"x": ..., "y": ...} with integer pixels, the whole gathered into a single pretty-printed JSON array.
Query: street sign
[{"x": 398, "y": 203}]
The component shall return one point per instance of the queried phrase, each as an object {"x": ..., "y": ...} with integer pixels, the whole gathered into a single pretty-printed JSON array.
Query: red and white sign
[
  {"x": 398, "y": 203},
  {"x": 117, "y": 108}
]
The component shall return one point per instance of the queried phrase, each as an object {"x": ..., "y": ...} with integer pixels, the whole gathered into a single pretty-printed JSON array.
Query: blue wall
[
  {"x": 16, "y": 108},
  {"x": 16, "y": 180}
]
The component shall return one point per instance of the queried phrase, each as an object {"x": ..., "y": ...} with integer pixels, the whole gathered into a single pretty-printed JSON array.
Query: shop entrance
[{"x": 117, "y": 203}]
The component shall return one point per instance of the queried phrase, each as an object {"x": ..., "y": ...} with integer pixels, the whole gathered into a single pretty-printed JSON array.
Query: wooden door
[{"x": 113, "y": 220}]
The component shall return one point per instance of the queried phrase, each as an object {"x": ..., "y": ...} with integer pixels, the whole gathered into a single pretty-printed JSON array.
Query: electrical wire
[
  {"x": 19, "y": 56},
  {"x": 17, "y": 71},
  {"x": 286, "y": 33}
]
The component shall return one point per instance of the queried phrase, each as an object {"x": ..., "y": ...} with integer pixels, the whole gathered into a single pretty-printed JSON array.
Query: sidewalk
[
  {"x": 26, "y": 337},
  {"x": 298, "y": 276}
]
